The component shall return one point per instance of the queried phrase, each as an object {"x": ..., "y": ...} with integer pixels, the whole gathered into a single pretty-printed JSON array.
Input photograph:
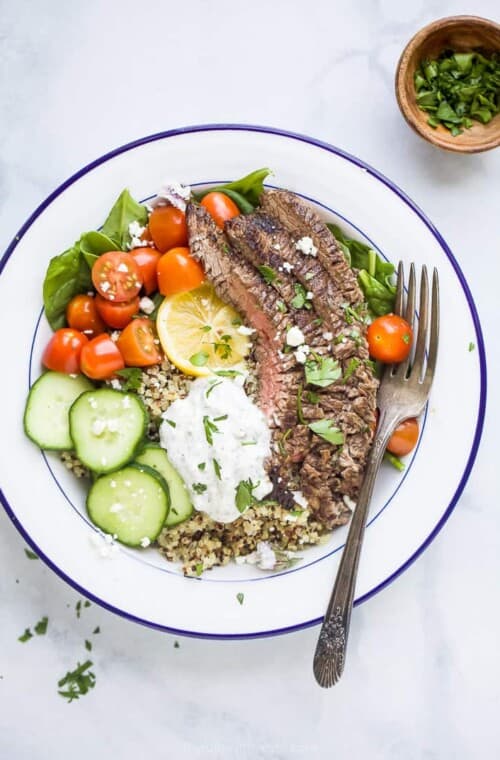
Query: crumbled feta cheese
[
  {"x": 92, "y": 403},
  {"x": 115, "y": 384},
  {"x": 175, "y": 193},
  {"x": 105, "y": 286},
  {"x": 277, "y": 247},
  {"x": 309, "y": 276},
  {"x": 135, "y": 231},
  {"x": 328, "y": 336},
  {"x": 112, "y": 483},
  {"x": 122, "y": 267},
  {"x": 301, "y": 353},
  {"x": 85, "y": 332},
  {"x": 146, "y": 305},
  {"x": 145, "y": 542},
  {"x": 266, "y": 558},
  {"x": 294, "y": 337},
  {"x": 309, "y": 295},
  {"x": 126, "y": 402},
  {"x": 98, "y": 427},
  {"x": 306, "y": 245},
  {"x": 242, "y": 330},
  {"x": 104, "y": 545},
  {"x": 300, "y": 499},
  {"x": 113, "y": 425},
  {"x": 148, "y": 208},
  {"x": 116, "y": 507},
  {"x": 287, "y": 266},
  {"x": 114, "y": 335},
  {"x": 104, "y": 461},
  {"x": 349, "y": 502}
]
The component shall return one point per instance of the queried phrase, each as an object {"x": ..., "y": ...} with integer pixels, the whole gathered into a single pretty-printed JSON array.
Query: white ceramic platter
[{"x": 46, "y": 503}]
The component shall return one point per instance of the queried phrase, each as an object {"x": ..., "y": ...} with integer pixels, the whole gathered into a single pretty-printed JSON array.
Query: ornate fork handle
[{"x": 329, "y": 657}]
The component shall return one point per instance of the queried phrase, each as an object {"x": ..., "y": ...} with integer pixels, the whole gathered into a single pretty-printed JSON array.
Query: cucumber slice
[
  {"x": 130, "y": 504},
  {"x": 46, "y": 420},
  {"x": 180, "y": 504},
  {"x": 106, "y": 427}
]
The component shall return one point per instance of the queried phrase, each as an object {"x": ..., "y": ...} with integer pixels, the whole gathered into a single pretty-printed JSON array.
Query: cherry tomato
[
  {"x": 220, "y": 207},
  {"x": 389, "y": 338},
  {"x": 82, "y": 314},
  {"x": 101, "y": 358},
  {"x": 178, "y": 271},
  {"x": 117, "y": 315},
  {"x": 62, "y": 353},
  {"x": 116, "y": 276},
  {"x": 137, "y": 344},
  {"x": 404, "y": 439},
  {"x": 168, "y": 227},
  {"x": 147, "y": 260}
]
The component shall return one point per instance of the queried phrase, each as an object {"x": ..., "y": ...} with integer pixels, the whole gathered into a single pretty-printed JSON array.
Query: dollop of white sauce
[{"x": 240, "y": 445}]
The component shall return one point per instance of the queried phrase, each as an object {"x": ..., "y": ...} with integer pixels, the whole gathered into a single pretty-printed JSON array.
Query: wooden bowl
[{"x": 461, "y": 34}]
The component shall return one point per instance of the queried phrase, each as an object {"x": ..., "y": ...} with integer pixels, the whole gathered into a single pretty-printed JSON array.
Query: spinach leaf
[
  {"x": 245, "y": 192},
  {"x": 124, "y": 211},
  {"x": 67, "y": 275},
  {"x": 379, "y": 296},
  {"x": 244, "y": 206},
  {"x": 93, "y": 244}
]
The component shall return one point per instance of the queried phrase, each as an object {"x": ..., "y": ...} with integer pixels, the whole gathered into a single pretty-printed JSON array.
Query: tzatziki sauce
[{"x": 217, "y": 438}]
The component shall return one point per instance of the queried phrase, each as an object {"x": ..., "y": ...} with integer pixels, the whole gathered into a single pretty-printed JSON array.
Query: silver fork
[{"x": 403, "y": 393}]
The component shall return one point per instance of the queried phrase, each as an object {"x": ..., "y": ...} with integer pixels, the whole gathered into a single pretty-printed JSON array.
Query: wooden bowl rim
[{"x": 425, "y": 131}]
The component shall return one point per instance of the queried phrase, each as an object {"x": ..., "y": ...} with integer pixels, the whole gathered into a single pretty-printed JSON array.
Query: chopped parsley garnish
[
  {"x": 282, "y": 441},
  {"x": 300, "y": 414},
  {"x": 352, "y": 315},
  {"x": 202, "y": 466},
  {"x": 312, "y": 397},
  {"x": 236, "y": 322},
  {"x": 206, "y": 328},
  {"x": 240, "y": 597},
  {"x": 210, "y": 429},
  {"x": 199, "y": 359},
  {"x": 232, "y": 373},
  {"x": 217, "y": 469},
  {"x": 317, "y": 322},
  {"x": 471, "y": 348},
  {"x": 78, "y": 608},
  {"x": 26, "y": 636},
  {"x": 171, "y": 423},
  {"x": 213, "y": 385},
  {"x": 268, "y": 274},
  {"x": 32, "y": 555},
  {"x": 405, "y": 338},
  {"x": 41, "y": 626},
  {"x": 176, "y": 645},
  {"x": 351, "y": 368},
  {"x": 221, "y": 418},
  {"x": 244, "y": 495},
  {"x": 281, "y": 307},
  {"x": 300, "y": 300},
  {"x": 132, "y": 377},
  {"x": 327, "y": 429},
  {"x": 223, "y": 346},
  {"x": 86, "y": 603},
  {"x": 198, "y": 568},
  {"x": 249, "y": 443},
  {"x": 96, "y": 630},
  {"x": 199, "y": 488},
  {"x": 78, "y": 682},
  {"x": 309, "y": 276},
  {"x": 88, "y": 645},
  {"x": 322, "y": 371}
]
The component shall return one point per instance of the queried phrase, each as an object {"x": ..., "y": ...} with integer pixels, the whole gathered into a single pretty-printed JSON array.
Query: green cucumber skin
[
  {"x": 185, "y": 513},
  {"x": 33, "y": 390},
  {"x": 91, "y": 509},
  {"x": 135, "y": 444}
]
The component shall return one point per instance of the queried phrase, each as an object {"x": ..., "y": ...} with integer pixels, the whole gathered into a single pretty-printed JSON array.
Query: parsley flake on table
[
  {"x": 41, "y": 626},
  {"x": 26, "y": 636},
  {"x": 30, "y": 554},
  {"x": 240, "y": 597},
  {"x": 77, "y": 682}
]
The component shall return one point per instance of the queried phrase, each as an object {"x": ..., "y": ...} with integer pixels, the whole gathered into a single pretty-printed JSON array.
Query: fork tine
[
  {"x": 434, "y": 337},
  {"x": 400, "y": 291},
  {"x": 423, "y": 325},
  {"x": 400, "y": 370}
]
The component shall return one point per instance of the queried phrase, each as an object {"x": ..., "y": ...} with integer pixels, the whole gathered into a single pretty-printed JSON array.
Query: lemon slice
[{"x": 199, "y": 332}]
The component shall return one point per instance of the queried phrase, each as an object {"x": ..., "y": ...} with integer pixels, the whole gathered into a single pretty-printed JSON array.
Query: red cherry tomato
[
  {"x": 220, "y": 207},
  {"x": 147, "y": 260},
  {"x": 404, "y": 439},
  {"x": 168, "y": 228},
  {"x": 178, "y": 271},
  {"x": 116, "y": 276},
  {"x": 389, "y": 339},
  {"x": 117, "y": 315},
  {"x": 101, "y": 358},
  {"x": 137, "y": 344},
  {"x": 82, "y": 315},
  {"x": 62, "y": 353}
]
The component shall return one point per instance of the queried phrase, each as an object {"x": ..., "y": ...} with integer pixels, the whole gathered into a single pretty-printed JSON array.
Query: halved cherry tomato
[
  {"x": 220, "y": 207},
  {"x": 101, "y": 358},
  {"x": 178, "y": 271},
  {"x": 389, "y": 338},
  {"x": 81, "y": 314},
  {"x": 117, "y": 315},
  {"x": 62, "y": 352},
  {"x": 404, "y": 439},
  {"x": 147, "y": 260},
  {"x": 116, "y": 276},
  {"x": 137, "y": 344},
  {"x": 168, "y": 227}
]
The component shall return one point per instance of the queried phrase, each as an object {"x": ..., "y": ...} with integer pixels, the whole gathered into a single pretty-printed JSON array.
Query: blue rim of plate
[{"x": 468, "y": 295}]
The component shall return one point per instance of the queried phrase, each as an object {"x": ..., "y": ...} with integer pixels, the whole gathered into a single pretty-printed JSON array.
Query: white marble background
[{"x": 78, "y": 78}]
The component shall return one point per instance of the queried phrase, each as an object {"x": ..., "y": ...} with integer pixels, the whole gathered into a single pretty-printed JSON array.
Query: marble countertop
[{"x": 422, "y": 680}]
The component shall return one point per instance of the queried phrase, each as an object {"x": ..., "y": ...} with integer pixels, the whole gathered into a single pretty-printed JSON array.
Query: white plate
[{"x": 47, "y": 504}]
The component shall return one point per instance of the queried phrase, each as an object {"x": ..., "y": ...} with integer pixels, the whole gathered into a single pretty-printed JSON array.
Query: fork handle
[{"x": 329, "y": 656}]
